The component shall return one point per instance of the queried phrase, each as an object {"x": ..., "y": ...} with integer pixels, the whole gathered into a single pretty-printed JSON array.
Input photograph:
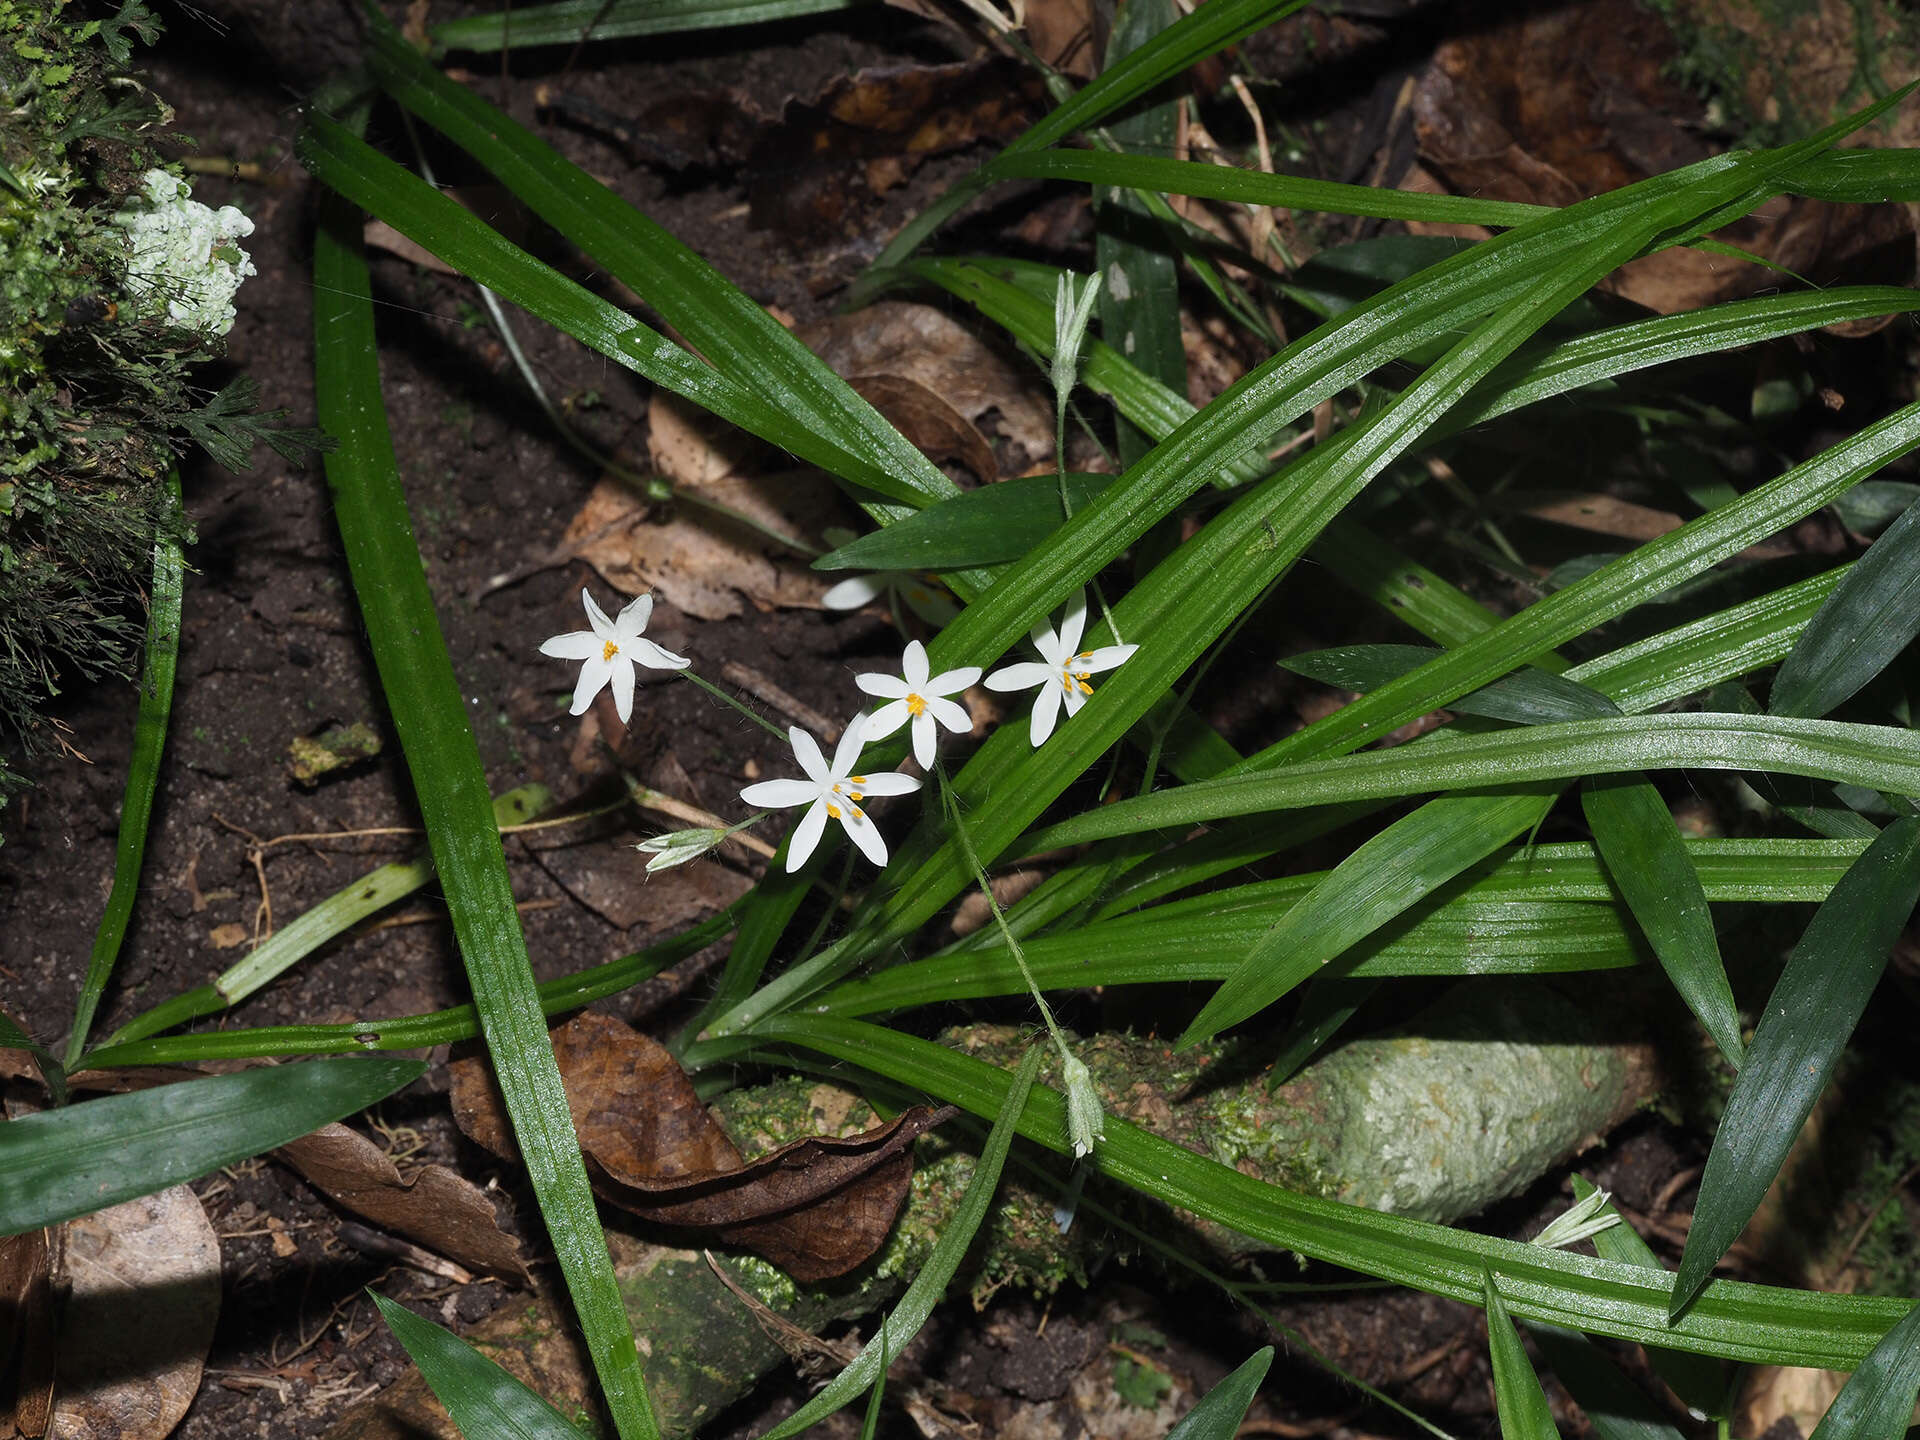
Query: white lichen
[{"x": 184, "y": 259}]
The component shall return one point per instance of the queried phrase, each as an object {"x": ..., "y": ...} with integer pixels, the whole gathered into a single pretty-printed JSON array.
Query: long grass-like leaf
[
  {"x": 81, "y": 1158},
  {"x": 898, "y": 1329},
  {"x": 1635, "y": 833},
  {"x": 1739, "y": 1321},
  {"x": 143, "y": 770},
  {"x": 1517, "y": 1393},
  {"x": 485, "y": 1401},
  {"x": 1878, "y": 757},
  {"x": 572, "y": 21},
  {"x": 1615, "y": 1407},
  {"x": 1802, "y": 1033},
  {"x": 429, "y": 712},
  {"x": 1218, "y": 1414},
  {"x": 1870, "y": 618},
  {"x": 1877, "y": 1401}
]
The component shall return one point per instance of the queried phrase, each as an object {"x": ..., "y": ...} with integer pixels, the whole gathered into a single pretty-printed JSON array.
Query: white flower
[
  {"x": 919, "y": 593},
  {"x": 831, "y": 792},
  {"x": 611, "y": 649},
  {"x": 918, "y": 697},
  {"x": 1063, "y": 676},
  {"x": 184, "y": 260},
  {"x": 1579, "y": 1221},
  {"x": 677, "y": 847}
]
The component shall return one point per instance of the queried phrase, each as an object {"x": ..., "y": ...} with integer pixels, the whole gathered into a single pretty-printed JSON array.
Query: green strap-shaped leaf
[
  {"x": 485, "y": 1401},
  {"x": 1877, "y": 1401},
  {"x": 1517, "y": 1393},
  {"x": 430, "y": 713},
  {"x": 1218, "y": 1413},
  {"x": 81, "y": 1158},
  {"x": 1526, "y": 697},
  {"x": 1699, "y": 1381},
  {"x": 1745, "y": 1322},
  {"x": 143, "y": 770},
  {"x": 898, "y": 1329},
  {"x": 572, "y": 21},
  {"x": 1869, "y": 619},
  {"x": 12, "y": 1037},
  {"x": 1634, "y": 831},
  {"x": 1808, "y": 1019},
  {"x": 988, "y": 526}
]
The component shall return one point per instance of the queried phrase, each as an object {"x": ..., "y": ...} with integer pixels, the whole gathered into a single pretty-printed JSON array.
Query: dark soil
[{"x": 272, "y": 650}]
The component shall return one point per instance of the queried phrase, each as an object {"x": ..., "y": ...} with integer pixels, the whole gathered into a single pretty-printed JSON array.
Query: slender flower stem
[{"x": 722, "y": 696}]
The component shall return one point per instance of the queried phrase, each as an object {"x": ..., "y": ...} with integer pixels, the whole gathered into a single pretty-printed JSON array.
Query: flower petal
[
  {"x": 1047, "y": 643},
  {"x": 1046, "y": 707},
  {"x": 924, "y": 736},
  {"x": 780, "y": 794},
  {"x": 913, "y": 665},
  {"x": 806, "y": 750},
  {"x": 1107, "y": 657},
  {"x": 574, "y": 645},
  {"x": 853, "y": 739},
  {"x": 1073, "y": 624},
  {"x": 954, "y": 717},
  {"x": 806, "y": 836},
  {"x": 654, "y": 656},
  {"x": 852, "y": 594},
  {"x": 1021, "y": 675},
  {"x": 866, "y": 835},
  {"x": 887, "y": 719},
  {"x": 633, "y": 619},
  {"x": 952, "y": 682},
  {"x": 594, "y": 674},
  {"x": 622, "y": 669},
  {"x": 887, "y": 687},
  {"x": 602, "y": 626},
  {"x": 889, "y": 782},
  {"x": 931, "y": 605}
]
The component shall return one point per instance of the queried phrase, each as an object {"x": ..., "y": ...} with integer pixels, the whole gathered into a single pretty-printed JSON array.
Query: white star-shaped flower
[
  {"x": 1062, "y": 677},
  {"x": 918, "y": 697},
  {"x": 832, "y": 792},
  {"x": 611, "y": 649}
]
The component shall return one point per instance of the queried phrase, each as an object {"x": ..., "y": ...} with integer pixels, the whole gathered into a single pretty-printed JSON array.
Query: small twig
[
  {"x": 1672, "y": 1188},
  {"x": 649, "y": 799},
  {"x": 391, "y": 1247}
]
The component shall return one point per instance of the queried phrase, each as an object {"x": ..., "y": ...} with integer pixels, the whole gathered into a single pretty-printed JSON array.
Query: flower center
[
  {"x": 916, "y": 705},
  {"x": 608, "y": 651},
  {"x": 1072, "y": 680}
]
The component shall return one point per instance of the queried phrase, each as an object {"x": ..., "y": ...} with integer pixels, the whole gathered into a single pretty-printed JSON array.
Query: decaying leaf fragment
[
  {"x": 817, "y": 1207},
  {"x": 27, "y": 1330},
  {"x": 436, "y": 1208}
]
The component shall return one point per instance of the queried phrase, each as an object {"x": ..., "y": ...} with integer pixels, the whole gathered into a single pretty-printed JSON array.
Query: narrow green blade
[
  {"x": 429, "y": 711},
  {"x": 81, "y": 1158},
  {"x": 1869, "y": 619},
  {"x": 1877, "y": 1401},
  {"x": 1809, "y": 1016},
  {"x": 1218, "y": 1413},
  {"x": 898, "y": 1329},
  {"x": 1517, "y": 1394},
  {"x": 1634, "y": 832},
  {"x": 1615, "y": 1407},
  {"x": 143, "y": 770},
  {"x": 573, "y": 21},
  {"x": 485, "y": 1401}
]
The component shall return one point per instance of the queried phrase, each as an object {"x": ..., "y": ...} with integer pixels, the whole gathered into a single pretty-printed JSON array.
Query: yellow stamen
[
  {"x": 916, "y": 705},
  {"x": 834, "y": 811},
  {"x": 857, "y": 779},
  {"x": 1081, "y": 681},
  {"x": 608, "y": 651},
  {"x": 858, "y": 796}
]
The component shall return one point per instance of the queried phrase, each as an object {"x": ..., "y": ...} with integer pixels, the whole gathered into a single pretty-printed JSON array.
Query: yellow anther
[
  {"x": 1085, "y": 689},
  {"x": 916, "y": 705},
  {"x": 608, "y": 651},
  {"x": 857, "y": 780},
  {"x": 857, "y": 796},
  {"x": 834, "y": 811}
]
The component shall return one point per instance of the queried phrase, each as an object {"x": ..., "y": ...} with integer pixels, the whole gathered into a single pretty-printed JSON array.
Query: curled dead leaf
[
  {"x": 437, "y": 1208},
  {"x": 817, "y": 1207}
]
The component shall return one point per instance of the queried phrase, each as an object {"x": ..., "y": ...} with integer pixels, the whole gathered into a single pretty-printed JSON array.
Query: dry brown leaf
[
  {"x": 1609, "y": 515},
  {"x": 27, "y": 1327},
  {"x": 382, "y": 236},
  {"x": 436, "y": 1208},
  {"x": 1061, "y": 33},
  {"x": 1772, "y": 1393},
  {"x": 925, "y": 345},
  {"x": 1500, "y": 114},
  {"x": 699, "y": 561},
  {"x": 936, "y": 429},
  {"x": 144, "y": 1294},
  {"x": 817, "y": 1207}
]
